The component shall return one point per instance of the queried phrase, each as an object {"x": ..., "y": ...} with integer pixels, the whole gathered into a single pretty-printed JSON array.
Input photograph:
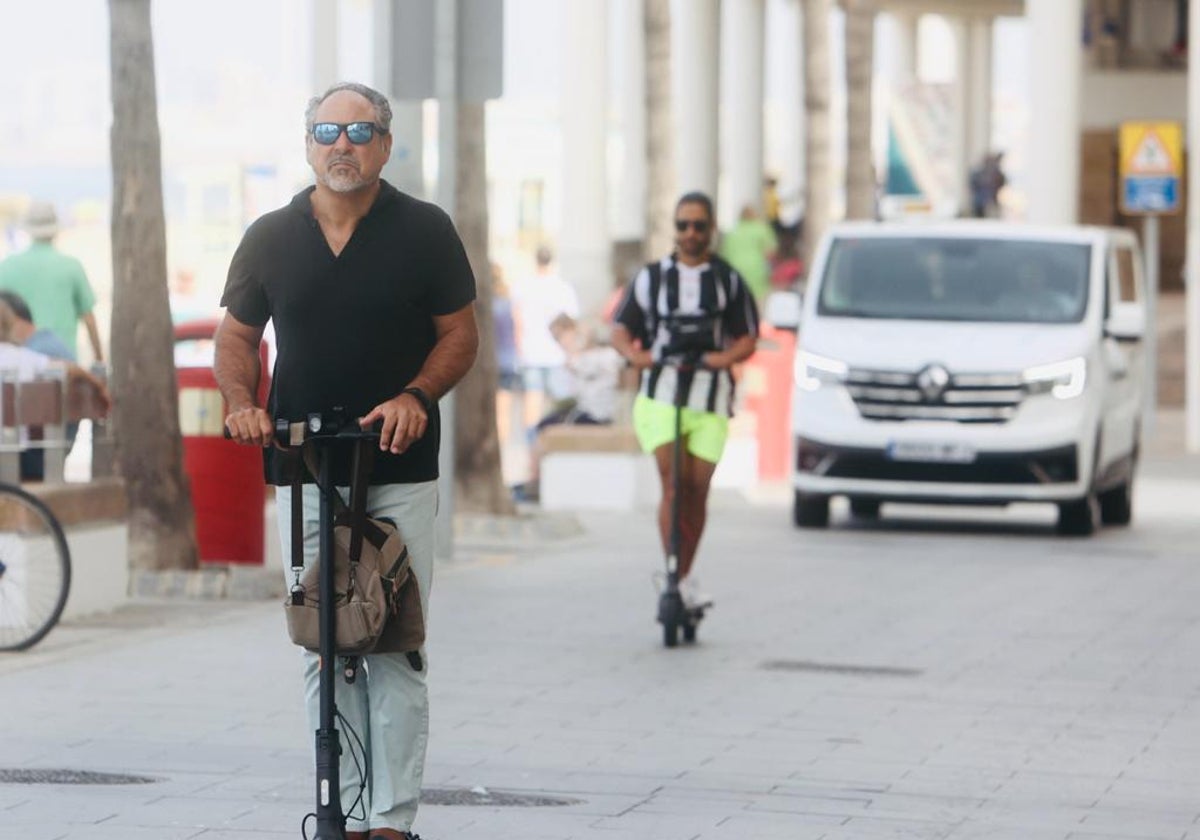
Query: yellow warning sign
[
  {"x": 1151, "y": 156},
  {"x": 1151, "y": 149}
]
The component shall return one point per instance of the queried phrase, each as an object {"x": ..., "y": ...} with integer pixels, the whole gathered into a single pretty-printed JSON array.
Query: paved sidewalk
[{"x": 973, "y": 678}]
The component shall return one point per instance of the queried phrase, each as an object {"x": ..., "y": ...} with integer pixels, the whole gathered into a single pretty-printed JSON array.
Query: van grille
[{"x": 932, "y": 393}]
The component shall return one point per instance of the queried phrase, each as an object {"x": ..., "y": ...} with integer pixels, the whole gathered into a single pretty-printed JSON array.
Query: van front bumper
[{"x": 991, "y": 477}]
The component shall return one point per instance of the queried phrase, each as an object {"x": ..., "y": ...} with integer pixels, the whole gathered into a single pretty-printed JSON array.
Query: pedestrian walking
[
  {"x": 53, "y": 284},
  {"x": 370, "y": 293}
]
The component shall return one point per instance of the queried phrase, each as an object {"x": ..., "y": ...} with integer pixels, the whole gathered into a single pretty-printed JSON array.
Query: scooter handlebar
[{"x": 297, "y": 432}]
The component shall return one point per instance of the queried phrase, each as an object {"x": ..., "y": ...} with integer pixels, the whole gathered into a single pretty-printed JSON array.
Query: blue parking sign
[{"x": 1151, "y": 194}]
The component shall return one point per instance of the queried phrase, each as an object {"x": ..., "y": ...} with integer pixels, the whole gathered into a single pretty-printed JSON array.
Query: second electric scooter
[{"x": 674, "y": 615}]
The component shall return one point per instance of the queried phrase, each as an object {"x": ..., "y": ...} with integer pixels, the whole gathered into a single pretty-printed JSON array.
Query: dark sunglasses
[
  {"x": 698, "y": 225},
  {"x": 358, "y": 133}
]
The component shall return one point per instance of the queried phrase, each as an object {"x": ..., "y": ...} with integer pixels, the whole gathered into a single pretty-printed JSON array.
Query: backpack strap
[{"x": 654, "y": 270}]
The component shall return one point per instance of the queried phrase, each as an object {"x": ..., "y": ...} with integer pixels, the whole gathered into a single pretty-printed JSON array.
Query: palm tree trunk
[
  {"x": 478, "y": 481},
  {"x": 860, "y": 56},
  {"x": 817, "y": 177},
  {"x": 162, "y": 533},
  {"x": 660, "y": 161}
]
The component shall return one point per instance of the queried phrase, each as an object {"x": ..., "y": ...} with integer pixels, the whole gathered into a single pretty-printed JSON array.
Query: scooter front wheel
[{"x": 671, "y": 634}]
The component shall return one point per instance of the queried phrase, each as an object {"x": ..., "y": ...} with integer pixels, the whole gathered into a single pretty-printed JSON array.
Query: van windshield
[{"x": 956, "y": 279}]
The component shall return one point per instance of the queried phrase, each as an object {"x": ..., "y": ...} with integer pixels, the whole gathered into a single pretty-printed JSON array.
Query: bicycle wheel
[{"x": 35, "y": 569}]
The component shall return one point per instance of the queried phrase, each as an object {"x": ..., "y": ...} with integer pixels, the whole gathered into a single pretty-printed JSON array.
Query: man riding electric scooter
[{"x": 684, "y": 322}]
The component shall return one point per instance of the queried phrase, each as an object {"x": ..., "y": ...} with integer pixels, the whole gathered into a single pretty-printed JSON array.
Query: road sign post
[{"x": 1151, "y": 161}]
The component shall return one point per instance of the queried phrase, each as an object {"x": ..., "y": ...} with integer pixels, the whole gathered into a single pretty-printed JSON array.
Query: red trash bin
[
  {"x": 768, "y": 378},
  {"x": 228, "y": 492}
]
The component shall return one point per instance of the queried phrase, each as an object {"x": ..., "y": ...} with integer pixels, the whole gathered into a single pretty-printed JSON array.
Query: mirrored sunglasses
[{"x": 358, "y": 133}]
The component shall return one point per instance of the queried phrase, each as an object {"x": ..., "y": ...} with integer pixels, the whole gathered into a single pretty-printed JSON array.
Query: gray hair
[{"x": 383, "y": 108}]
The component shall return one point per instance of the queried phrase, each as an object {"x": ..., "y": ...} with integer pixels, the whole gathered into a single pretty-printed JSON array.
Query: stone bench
[
  {"x": 604, "y": 468},
  {"x": 94, "y": 519},
  {"x": 34, "y": 415},
  {"x": 595, "y": 468}
]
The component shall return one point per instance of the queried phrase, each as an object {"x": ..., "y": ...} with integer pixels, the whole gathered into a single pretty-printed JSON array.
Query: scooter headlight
[
  {"x": 1065, "y": 380},
  {"x": 812, "y": 371}
]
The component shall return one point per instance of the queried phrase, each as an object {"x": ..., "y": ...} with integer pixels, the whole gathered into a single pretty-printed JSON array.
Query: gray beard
[{"x": 347, "y": 183}]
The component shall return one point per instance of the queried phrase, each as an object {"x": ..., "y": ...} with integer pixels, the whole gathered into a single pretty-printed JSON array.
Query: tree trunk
[
  {"x": 478, "y": 482},
  {"x": 660, "y": 161},
  {"x": 817, "y": 177},
  {"x": 162, "y": 533},
  {"x": 860, "y": 56}
]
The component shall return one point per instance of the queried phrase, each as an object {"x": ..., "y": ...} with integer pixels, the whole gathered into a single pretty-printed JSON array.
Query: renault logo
[{"x": 932, "y": 381}]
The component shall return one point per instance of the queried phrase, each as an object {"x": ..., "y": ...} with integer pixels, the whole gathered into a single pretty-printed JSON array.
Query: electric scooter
[
  {"x": 675, "y": 616},
  {"x": 324, "y": 430}
]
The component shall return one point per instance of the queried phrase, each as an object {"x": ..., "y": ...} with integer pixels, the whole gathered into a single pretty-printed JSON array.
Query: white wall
[{"x": 1110, "y": 98}]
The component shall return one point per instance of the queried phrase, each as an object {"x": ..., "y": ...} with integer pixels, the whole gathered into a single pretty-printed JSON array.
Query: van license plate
[{"x": 930, "y": 452}]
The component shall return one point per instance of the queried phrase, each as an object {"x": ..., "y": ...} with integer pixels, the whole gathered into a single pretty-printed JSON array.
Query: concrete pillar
[
  {"x": 629, "y": 222},
  {"x": 972, "y": 99},
  {"x": 584, "y": 248},
  {"x": 405, "y": 168},
  {"x": 904, "y": 46},
  {"x": 741, "y": 147},
  {"x": 1056, "y": 66},
  {"x": 695, "y": 45},
  {"x": 324, "y": 44},
  {"x": 1192, "y": 380},
  {"x": 960, "y": 121},
  {"x": 979, "y": 90}
]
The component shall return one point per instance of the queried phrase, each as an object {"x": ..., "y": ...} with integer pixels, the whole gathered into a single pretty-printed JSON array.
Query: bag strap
[
  {"x": 297, "y": 523},
  {"x": 360, "y": 478}
]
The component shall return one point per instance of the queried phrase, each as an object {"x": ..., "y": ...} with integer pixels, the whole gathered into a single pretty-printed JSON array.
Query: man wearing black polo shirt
[{"x": 371, "y": 297}]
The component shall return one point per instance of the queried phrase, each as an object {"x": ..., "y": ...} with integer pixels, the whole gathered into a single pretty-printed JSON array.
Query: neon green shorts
[{"x": 704, "y": 431}]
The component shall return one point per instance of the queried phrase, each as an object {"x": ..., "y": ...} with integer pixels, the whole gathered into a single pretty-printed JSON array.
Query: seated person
[
  {"x": 23, "y": 364},
  {"x": 595, "y": 371}
]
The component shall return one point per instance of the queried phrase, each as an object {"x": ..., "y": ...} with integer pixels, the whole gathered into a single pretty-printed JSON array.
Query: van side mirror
[
  {"x": 1126, "y": 323},
  {"x": 782, "y": 310}
]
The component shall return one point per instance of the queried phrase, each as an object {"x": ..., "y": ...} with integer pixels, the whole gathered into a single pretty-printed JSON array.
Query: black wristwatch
[{"x": 422, "y": 398}]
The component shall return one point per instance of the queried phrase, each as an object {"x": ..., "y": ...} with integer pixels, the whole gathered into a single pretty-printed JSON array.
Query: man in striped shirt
[{"x": 684, "y": 322}]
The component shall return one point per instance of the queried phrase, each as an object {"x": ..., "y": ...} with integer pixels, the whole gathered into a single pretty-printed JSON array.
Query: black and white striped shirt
[{"x": 713, "y": 288}]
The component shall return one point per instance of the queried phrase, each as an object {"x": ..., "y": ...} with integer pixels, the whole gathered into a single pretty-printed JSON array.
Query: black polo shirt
[{"x": 355, "y": 329}]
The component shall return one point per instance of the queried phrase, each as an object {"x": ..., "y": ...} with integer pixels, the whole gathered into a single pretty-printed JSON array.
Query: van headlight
[
  {"x": 812, "y": 370},
  {"x": 1065, "y": 380}
]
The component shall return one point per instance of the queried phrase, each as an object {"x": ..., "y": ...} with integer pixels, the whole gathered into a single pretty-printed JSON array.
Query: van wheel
[
  {"x": 1116, "y": 505},
  {"x": 1079, "y": 518},
  {"x": 865, "y": 508},
  {"x": 810, "y": 511}
]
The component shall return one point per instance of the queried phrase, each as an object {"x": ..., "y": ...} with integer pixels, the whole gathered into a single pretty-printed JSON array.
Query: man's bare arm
[
  {"x": 237, "y": 370},
  {"x": 452, "y": 355},
  {"x": 89, "y": 321}
]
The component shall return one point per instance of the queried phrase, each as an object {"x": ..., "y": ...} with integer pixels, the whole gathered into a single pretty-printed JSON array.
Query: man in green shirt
[
  {"x": 749, "y": 248},
  {"x": 52, "y": 283}
]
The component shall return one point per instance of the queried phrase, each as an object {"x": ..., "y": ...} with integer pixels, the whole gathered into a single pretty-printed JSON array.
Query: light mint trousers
[{"x": 388, "y": 705}]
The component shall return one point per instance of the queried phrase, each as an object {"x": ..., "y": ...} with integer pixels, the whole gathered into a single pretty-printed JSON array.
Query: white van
[{"x": 971, "y": 363}]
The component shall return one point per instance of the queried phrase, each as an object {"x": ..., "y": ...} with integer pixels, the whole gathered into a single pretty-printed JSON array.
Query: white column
[
  {"x": 404, "y": 170},
  {"x": 973, "y": 98},
  {"x": 1192, "y": 380},
  {"x": 695, "y": 49},
  {"x": 741, "y": 146},
  {"x": 629, "y": 222},
  {"x": 1056, "y": 65},
  {"x": 979, "y": 90},
  {"x": 961, "y": 28},
  {"x": 904, "y": 46},
  {"x": 324, "y": 44},
  {"x": 584, "y": 244}
]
